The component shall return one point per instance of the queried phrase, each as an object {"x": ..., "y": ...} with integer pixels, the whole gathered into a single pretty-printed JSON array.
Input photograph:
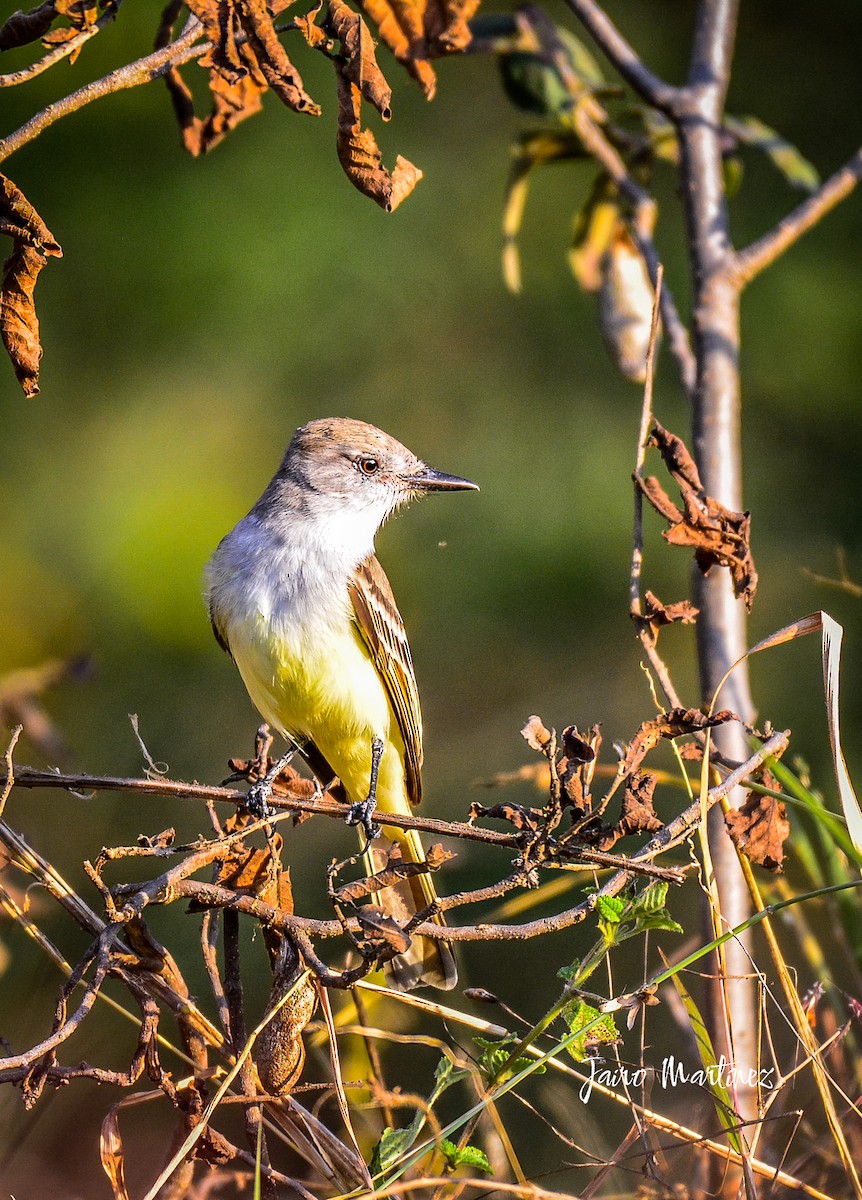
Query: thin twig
[
  {"x": 10, "y": 769},
  {"x": 622, "y": 55},
  {"x": 143, "y": 70},
  {"x": 746, "y": 264},
  {"x": 64, "y": 50}
]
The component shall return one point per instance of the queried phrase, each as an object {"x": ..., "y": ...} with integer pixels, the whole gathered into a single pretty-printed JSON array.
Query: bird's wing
[{"x": 381, "y": 626}]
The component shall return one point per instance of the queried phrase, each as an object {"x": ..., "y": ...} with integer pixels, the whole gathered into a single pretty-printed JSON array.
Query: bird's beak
[{"x": 428, "y": 480}]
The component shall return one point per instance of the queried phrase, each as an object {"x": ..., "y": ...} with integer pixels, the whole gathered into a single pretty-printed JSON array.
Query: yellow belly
[{"x": 329, "y": 691}]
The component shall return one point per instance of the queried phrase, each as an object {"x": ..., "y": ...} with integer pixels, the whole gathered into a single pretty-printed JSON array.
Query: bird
[{"x": 299, "y": 600}]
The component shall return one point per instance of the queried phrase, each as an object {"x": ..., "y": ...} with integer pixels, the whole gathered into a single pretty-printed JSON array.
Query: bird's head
[{"x": 341, "y": 463}]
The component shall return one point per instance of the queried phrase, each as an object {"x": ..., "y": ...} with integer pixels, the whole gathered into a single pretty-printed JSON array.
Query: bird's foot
[
  {"x": 258, "y": 795},
  {"x": 360, "y": 812}
]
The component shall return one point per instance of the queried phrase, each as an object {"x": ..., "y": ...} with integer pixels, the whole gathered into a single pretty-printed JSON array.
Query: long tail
[{"x": 428, "y": 962}]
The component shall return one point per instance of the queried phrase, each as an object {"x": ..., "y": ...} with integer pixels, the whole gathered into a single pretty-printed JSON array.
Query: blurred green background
[{"x": 203, "y": 309}]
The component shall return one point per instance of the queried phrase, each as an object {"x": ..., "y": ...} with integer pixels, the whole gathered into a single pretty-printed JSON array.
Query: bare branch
[
  {"x": 748, "y": 263},
  {"x": 143, "y": 70},
  {"x": 63, "y": 50},
  {"x": 624, "y": 58}
]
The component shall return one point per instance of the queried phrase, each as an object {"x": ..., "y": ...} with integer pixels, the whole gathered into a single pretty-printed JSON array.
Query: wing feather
[{"x": 382, "y": 629}]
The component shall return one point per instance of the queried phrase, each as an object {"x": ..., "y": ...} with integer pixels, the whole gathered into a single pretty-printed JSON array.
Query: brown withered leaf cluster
[
  {"x": 759, "y": 827},
  {"x": 571, "y": 775},
  {"x": 32, "y": 245},
  {"x": 718, "y": 536},
  {"x": 247, "y": 58}
]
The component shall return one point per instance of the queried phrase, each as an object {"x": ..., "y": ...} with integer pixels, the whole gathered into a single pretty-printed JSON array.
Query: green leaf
[
  {"x": 445, "y": 1074},
  {"x": 611, "y": 908},
  {"x": 466, "y": 1156},
  {"x": 733, "y": 171},
  {"x": 650, "y": 900},
  {"x": 658, "y": 920},
  {"x": 571, "y": 972},
  {"x": 792, "y": 164},
  {"x": 547, "y": 80},
  {"x": 496, "y": 1053},
  {"x": 578, "y": 1014},
  {"x": 392, "y": 1144}
]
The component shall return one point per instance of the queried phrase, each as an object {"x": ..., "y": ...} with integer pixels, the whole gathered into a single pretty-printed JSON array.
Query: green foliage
[
  {"x": 622, "y": 917},
  {"x": 466, "y": 1156},
  {"x": 395, "y": 1142},
  {"x": 495, "y": 1055},
  {"x": 792, "y": 164},
  {"x": 602, "y": 1027}
]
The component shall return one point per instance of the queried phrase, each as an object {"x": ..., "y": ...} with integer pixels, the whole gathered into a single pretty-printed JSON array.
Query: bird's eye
[{"x": 368, "y": 466}]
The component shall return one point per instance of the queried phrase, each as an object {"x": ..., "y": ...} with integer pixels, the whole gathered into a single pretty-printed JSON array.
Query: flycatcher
[{"x": 300, "y": 602}]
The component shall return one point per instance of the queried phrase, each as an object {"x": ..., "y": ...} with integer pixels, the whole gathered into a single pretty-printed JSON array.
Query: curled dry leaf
[
  {"x": 32, "y": 243},
  {"x": 656, "y": 614},
  {"x": 638, "y": 814},
  {"x": 419, "y": 30},
  {"x": 578, "y": 764},
  {"x": 515, "y": 814},
  {"x": 111, "y": 1153},
  {"x": 759, "y": 829},
  {"x": 676, "y": 723},
  {"x": 718, "y": 536},
  {"x": 536, "y": 734},
  {"x": 400, "y": 24},
  {"x": 382, "y": 933},
  {"x": 395, "y": 870},
  {"x": 279, "y": 1053},
  {"x": 272, "y": 59},
  {"x": 360, "y": 157},
  {"x": 357, "y": 50}
]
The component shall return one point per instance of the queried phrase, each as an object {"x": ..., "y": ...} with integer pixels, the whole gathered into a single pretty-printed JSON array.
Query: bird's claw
[{"x": 360, "y": 814}]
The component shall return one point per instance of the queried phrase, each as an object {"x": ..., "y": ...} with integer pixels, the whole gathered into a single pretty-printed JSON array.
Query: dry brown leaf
[
  {"x": 536, "y": 734},
  {"x": 19, "y": 326},
  {"x": 638, "y": 814},
  {"x": 515, "y": 814},
  {"x": 251, "y": 872},
  {"x": 312, "y": 32},
  {"x": 578, "y": 764},
  {"x": 382, "y": 932},
  {"x": 279, "y": 1053},
  {"x": 395, "y": 870},
  {"x": 24, "y": 27},
  {"x": 759, "y": 829},
  {"x": 456, "y": 33},
  {"x": 272, "y": 59},
  {"x": 359, "y": 154},
  {"x": 718, "y": 536},
  {"x": 357, "y": 50},
  {"x": 676, "y": 723},
  {"x": 400, "y": 29},
  {"x": 111, "y": 1153},
  {"x": 656, "y": 614}
]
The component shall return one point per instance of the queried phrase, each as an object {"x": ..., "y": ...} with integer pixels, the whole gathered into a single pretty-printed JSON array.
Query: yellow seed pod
[{"x": 625, "y": 305}]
